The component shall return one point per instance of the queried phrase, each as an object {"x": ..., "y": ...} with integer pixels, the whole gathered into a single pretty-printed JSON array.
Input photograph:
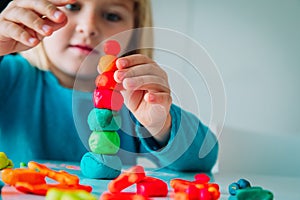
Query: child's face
[{"x": 89, "y": 23}]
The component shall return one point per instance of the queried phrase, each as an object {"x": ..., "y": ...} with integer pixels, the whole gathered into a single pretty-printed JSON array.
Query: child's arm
[
  {"x": 186, "y": 144},
  {"x": 146, "y": 94},
  {"x": 192, "y": 145},
  {"x": 23, "y": 23}
]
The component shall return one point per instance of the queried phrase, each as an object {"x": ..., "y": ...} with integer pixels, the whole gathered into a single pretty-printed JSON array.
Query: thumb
[{"x": 56, "y": 26}]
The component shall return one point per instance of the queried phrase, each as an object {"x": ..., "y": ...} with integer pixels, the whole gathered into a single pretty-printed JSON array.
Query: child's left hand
[{"x": 146, "y": 93}]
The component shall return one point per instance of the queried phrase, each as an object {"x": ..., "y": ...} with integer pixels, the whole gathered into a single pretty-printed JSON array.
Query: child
[{"x": 52, "y": 39}]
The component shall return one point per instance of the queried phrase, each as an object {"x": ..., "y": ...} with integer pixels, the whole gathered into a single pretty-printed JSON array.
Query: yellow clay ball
[{"x": 107, "y": 63}]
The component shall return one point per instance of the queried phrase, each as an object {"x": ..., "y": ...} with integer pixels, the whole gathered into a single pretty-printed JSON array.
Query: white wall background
[{"x": 256, "y": 47}]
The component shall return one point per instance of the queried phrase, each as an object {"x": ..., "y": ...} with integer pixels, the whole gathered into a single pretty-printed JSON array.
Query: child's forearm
[
  {"x": 191, "y": 146},
  {"x": 162, "y": 135}
]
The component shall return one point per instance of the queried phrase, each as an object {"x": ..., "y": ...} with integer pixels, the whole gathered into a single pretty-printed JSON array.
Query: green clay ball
[
  {"x": 57, "y": 194},
  {"x": 69, "y": 196},
  {"x": 106, "y": 142},
  {"x": 98, "y": 166},
  {"x": 104, "y": 120},
  {"x": 10, "y": 164},
  {"x": 23, "y": 165},
  {"x": 53, "y": 193},
  {"x": 85, "y": 195},
  {"x": 81, "y": 195},
  {"x": 4, "y": 161}
]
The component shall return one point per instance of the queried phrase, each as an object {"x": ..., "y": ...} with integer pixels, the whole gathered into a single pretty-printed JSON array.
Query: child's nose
[{"x": 88, "y": 26}]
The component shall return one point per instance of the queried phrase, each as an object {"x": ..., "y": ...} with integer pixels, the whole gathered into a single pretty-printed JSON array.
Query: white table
[{"x": 283, "y": 188}]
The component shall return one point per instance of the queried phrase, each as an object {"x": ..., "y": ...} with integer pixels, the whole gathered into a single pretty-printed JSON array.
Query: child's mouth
[{"x": 83, "y": 49}]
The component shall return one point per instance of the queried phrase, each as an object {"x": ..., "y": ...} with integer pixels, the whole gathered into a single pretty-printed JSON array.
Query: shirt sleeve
[{"x": 191, "y": 147}]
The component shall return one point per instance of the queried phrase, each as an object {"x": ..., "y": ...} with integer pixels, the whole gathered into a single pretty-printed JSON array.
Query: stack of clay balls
[{"x": 104, "y": 120}]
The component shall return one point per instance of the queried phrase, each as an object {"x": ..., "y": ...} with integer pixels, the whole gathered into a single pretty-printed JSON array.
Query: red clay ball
[{"x": 112, "y": 47}]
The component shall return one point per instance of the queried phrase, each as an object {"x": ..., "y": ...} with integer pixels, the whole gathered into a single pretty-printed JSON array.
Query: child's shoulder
[
  {"x": 16, "y": 70},
  {"x": 13, "y": 58},
  {"x": 14, "y": 63}
]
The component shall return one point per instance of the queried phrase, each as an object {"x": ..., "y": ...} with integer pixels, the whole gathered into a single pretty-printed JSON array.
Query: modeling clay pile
[
  {"x": 32, "y": 179},
  {"x": 146, "y": 186},
  {"x": 198, "y": 189},
  {"x": 243, "y": 190},
  {"x": 104, "y": 120}
]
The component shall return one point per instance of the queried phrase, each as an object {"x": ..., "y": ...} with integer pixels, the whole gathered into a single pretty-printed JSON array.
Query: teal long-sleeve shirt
[{"x": 41, "y": 120}]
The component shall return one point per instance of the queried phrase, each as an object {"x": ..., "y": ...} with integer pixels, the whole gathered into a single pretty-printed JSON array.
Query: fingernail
[
  {"x": 123, "y": 63},
  {"x": 32, "y": 40},
  {"x": 46, "y": 28},
  {"x": 151, "y": 97},
  {"x": 57, "y": 14}
]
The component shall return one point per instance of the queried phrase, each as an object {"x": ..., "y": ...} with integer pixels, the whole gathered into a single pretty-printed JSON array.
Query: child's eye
[
  {"x": 73, "y": 7},
  {"x": 112, "y": 17}
]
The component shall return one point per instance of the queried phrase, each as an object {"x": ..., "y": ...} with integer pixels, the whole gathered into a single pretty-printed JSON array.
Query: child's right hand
[{"x": 24, "y": 23}]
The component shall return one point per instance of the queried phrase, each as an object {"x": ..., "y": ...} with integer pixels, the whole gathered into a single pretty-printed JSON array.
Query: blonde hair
[{"x": 143, "y": 18}]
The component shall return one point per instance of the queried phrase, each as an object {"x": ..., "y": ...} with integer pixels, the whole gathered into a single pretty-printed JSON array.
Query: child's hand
[
  {"x": 146, "y": 93},
  {"x": 24, "y": 23}
]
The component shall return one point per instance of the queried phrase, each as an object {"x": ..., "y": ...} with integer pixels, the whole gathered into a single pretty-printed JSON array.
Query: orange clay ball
[{"x": 106, "y": 81}]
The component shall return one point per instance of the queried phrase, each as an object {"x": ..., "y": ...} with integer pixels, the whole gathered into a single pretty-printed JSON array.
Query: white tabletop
[
  {"x": 286, "y": 188},
  {"x": 283, "y": 187}
]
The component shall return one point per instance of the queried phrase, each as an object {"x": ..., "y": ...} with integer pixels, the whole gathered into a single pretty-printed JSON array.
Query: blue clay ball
[
  {"x": 99, "y": 166},
  {"x": 233, "y": 187},
  {"x": 243, "y": 183}
]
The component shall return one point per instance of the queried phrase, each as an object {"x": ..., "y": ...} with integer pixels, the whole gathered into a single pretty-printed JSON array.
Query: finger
[
  {"x": 18, "y": 33},
  {"x": 158, "y": 98},
  {"x": 156, "y": 118},
  {"x": 55, "y": 26},
  {"x": 150, "y": 83},
  {"x": 132, "y": 60},
  {"x": 140, "y": 70},
  {"x": 34, "y": 34},
  {"x": 29, "y": 19},
  {"x": 132, "y": 99},
  {"x": 45, "y": 8},
  {"x": 62, "y": 2}
]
